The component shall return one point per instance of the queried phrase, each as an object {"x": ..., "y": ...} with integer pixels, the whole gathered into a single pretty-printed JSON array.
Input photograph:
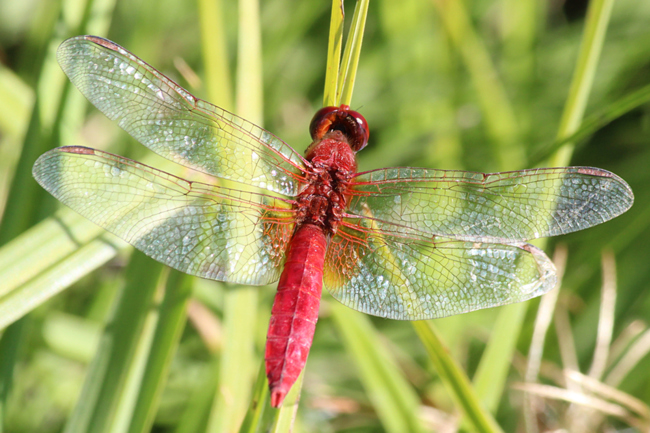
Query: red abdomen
[{"x": 295, "y": 310}]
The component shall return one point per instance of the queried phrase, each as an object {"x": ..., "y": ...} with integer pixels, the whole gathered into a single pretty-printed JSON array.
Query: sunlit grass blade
[
  {"x": 215, "y": 53},
  {"x": 455, "y": 380},
  {"x": 249, "y": 94},
  {"x": 334, "y": 45},
  {"x": 395, "y": 402},
  {"x": 348, "y": 71},
  {"x": 104, "y": 401}
]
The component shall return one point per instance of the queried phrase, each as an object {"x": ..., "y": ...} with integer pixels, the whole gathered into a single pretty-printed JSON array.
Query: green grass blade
[
  {"x": 521, "y": 23},
  {"x": 215, "y": 53},
  {"x": 348, "y": 72},
  {"x": 395, "y": 402},
  {"x": 195, "y": 417},
  {"x": 25, "y": 198},
  {"x": 9, "y": 347},
  {"x": 42, "y": 246},
  {"x": 238, "y": 358},
  {"x": 334, "y": 54},
  {"x": 55, "y": 241},
  {"x": 596, "y": 121},
  {"x": 50, "y": 257},
  {"x": 257, "y": 418},
  {"x": 170, "y": 324},
  {"x": 101, "y": 406},
  {"x": 455, "y": 380},
  {"x": 598, "y": 16},
  {"x": 492, "y": 373},
  {"x": 16, "y": 99},
  {"x": 51, "y": 106},
  {"x": 249, "y": 93},
  {"x": 522, "y": 20},
  {"x": 16, "y": 102},
  {"x": 69, "y": 335},
  {"x": 497, "y": 111},
  {"x": 52, "y": 281}
]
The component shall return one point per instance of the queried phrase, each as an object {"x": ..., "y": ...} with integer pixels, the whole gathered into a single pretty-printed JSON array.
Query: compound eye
[
  {"x": 360, "y": 133},
  {"x": 341, "y": 118},
  {"x": 321, "y": 122}
]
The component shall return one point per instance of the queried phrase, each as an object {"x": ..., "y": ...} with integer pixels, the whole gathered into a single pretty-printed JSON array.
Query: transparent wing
[
  {"x": 178, "y": 126},
  {"x": 515, "y": 206},
  {"x": 414, "y": 277},
  {"x": 200, "y": 229}
]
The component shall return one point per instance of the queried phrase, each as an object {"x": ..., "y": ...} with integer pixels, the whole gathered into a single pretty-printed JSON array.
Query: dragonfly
[{"x": 399, "y": 243}]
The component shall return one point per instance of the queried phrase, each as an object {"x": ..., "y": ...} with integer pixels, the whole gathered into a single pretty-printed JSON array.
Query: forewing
[
  {"x": 415, "y": 277},
  {"x": 200, "y": 229},
  {"x": 170, "y": 121},
  {"x": 515, "y": 206}
]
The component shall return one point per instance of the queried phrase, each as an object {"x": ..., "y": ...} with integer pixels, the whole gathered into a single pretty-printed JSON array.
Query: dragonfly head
[{"x": 351, "y": 123}]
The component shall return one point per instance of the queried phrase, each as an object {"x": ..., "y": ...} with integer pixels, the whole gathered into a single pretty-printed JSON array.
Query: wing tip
[
  {"x": 599, "y": 172},
  {"x": 74, "y": 46},
  {"x": 40, "y": 167},
  {"x": 619, "y": 187}
]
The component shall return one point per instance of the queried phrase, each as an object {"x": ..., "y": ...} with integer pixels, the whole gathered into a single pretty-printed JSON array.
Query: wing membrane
[
  {"x": 416, "y": 277},
  {"x": 170, "y": 121},
  {"x": 510, "y": 206},
  {"x": 200, "y": 229}
]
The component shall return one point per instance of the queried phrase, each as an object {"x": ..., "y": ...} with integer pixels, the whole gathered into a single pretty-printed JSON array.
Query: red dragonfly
[{"x": 400, "y": 243}]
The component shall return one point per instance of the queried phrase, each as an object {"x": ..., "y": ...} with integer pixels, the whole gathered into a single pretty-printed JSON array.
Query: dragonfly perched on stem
[{"x": 400, "y": 243}]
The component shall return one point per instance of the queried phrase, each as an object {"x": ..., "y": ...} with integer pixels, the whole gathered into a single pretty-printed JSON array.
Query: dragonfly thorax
[{"x": 323, "y": 201}]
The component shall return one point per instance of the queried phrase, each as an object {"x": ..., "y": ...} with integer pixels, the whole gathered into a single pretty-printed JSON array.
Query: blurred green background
[{"x": 486, "y": 98}]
